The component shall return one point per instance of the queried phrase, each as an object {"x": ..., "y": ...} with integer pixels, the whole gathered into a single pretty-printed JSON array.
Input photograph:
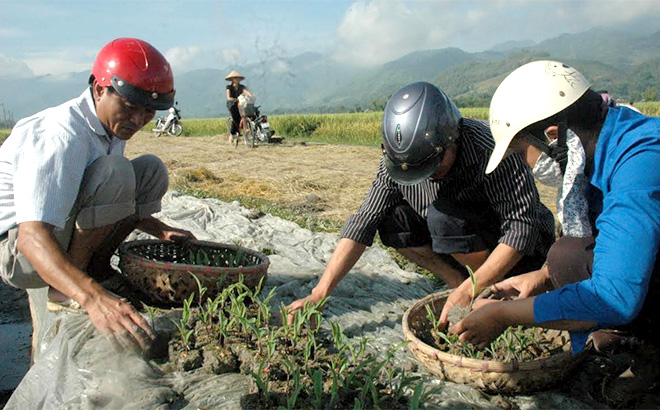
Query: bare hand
[
  {"x": 525, "y": 285},
  {"x": 482, "y": 325},
  {"x": 117, "y": 319},
  {"x": 297, "y": 305},
  {"x": 458, "y": 297},
  {"x": 176, "y": 234}
]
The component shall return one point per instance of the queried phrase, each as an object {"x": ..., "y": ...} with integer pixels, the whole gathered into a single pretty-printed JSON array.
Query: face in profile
[{"x": 120, "y": 117}]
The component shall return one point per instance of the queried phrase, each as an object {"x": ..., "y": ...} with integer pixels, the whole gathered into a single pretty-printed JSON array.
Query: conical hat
[{"x": 234, "y": 74}]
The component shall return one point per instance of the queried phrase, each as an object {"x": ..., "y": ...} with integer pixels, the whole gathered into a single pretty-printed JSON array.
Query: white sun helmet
[{"x": 531, "y": 93}]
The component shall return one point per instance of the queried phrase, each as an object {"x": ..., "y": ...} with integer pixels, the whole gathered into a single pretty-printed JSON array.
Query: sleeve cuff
[{"x": 546, "y": 309}]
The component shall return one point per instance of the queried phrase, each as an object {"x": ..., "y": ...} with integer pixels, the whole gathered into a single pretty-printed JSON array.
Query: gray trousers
[{"x": 114, "y": 191}]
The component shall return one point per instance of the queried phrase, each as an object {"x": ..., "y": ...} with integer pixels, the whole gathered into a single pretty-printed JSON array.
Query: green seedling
[
  {"x": 263, "y": 308},
  {"x": 334, "y": 388},
  {"x": 261, "y": 334},
  {"x": 403, "y": 384},
  {"x": 430, "y": 316},
  {"x": 187, "y": 309},
  {"x": 209, "y": 311},
  {"x": 416, "y": 399},
  {"x": 358, "y": 350},
  {"x": 262, "y": 382},
  {"x": 223, "y": 326},
  {"x": 338, "y": 338},
  {"x": 151, "y": 311},
  {"x": 473, "y": 279},
  {"x": 289, "y": 366},
  {"x": 310, "y": 348},
  {"x": 271, "y": 345},
  {"x": 317, "y": 380},
  {"x": 285, "y": 329},
  {"x": 201, "y": 289},
  {"x": 184, "y": 333},
  {"x": 297, "y": 388}
]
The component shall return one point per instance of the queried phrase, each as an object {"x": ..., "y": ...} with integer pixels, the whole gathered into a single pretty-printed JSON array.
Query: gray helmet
[{"x": 419, "y": 122}]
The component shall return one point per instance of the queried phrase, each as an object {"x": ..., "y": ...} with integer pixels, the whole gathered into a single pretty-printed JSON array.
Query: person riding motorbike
[{"x": 234, "y": 90}]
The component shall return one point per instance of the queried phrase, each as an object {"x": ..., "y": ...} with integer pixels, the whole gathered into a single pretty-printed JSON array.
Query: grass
[
  {"x": 4, "y": 133},
  {"x": 351, "y": 129},
  {"x": 201, "y": 183},
  {"x": 651, "y": 108}
]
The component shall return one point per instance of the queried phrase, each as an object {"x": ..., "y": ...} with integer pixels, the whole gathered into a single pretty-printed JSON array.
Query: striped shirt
[
  {"x": 43, "y": 160},
  {"x": 509, "y": 192}
]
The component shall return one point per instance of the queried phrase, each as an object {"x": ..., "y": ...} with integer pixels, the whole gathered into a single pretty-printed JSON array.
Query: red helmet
[{"x": 137, "y": 71}]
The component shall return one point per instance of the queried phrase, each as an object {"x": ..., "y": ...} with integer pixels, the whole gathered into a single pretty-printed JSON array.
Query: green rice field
[{"x": 352, "y": 128}]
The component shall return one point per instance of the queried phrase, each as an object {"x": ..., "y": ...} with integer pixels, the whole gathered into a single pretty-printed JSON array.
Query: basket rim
[
  {"x": 476, "y": 364},
  {"x": 126, "y": 255}
]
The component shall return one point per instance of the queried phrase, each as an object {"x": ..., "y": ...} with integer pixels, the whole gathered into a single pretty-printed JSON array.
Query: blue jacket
[{"x": 626, "y": 170}]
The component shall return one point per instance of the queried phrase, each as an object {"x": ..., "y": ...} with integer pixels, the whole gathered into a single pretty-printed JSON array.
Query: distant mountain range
[{"x": 626, "y": 65}]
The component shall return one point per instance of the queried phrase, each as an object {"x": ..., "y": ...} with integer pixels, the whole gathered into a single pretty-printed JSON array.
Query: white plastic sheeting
[{"x": 78, "y": 369}]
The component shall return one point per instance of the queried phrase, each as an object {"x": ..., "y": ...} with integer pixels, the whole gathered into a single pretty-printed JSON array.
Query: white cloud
[
  {"x": 14, "y": 68},
  {"x": 616, "y": 12},
  {"x": 183, "y": 59},
  {"x": 231, "y": 56},
  {"x": 56, "y": 61},
  {"x": 56, "y": 65},
  {"x": 376, "y": 31},
  {"x": 279, "y": 67},
  {"x": 9, "y": 33}
]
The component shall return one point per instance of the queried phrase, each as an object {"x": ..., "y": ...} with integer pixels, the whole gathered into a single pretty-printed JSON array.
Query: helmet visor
[
  {"x": 148, "y": 99},
  {"x": 411, "y": 174}
]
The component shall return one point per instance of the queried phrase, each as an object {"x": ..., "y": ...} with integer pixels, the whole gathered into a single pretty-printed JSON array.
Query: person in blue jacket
[{"x": 604, "y": 271}]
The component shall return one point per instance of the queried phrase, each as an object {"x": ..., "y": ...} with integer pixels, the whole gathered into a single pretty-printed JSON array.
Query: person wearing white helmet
[{"x": 604, "y": 272}]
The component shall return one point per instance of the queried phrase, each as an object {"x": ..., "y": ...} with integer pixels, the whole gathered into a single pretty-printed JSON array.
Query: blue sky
[{"x": 59, "y": 36}]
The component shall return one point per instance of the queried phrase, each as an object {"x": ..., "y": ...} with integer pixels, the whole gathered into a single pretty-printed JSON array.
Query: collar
[
  {"x": 466, "y": 153},
  {"x": 603, "y": 148},
  {"x": 88, "y": 110}
]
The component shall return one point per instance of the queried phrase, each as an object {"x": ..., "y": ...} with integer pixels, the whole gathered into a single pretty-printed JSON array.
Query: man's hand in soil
[
  {"x": 461, "y": 296},
  {"x": 526, "y": 285},
  {"x": 114, "y": 317},
  {"x": 482, "y": 325},
  {"x": 312, "y": 299}
]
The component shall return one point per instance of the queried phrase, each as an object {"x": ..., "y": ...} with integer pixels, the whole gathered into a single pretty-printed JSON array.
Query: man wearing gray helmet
[{"x": 433, "y": 203}]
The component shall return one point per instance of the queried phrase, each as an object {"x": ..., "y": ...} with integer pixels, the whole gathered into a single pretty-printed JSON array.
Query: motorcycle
[
  {"x": 255, "y": 127},
  {"x": 171, "y": 125},
  {"x": 262, "y": 131}
]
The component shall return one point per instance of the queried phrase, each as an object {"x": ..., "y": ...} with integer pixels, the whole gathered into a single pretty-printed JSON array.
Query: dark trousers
[
  {"x": 570, "y": 260},
  {"x": 236, "y": 118},
  {"x": 449, "y": 229}
]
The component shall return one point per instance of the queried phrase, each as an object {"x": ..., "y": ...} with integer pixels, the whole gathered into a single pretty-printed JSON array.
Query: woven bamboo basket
[
  {"x": 510, "y": 377},
  {"x": 162, "y": 269}
]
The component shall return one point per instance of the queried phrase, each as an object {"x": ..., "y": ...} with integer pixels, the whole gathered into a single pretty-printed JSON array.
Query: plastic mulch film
[{"x": 76, "y": 368}]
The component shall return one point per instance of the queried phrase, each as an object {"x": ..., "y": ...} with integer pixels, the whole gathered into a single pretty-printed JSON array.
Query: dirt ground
[{"x": 326, "y": 181}]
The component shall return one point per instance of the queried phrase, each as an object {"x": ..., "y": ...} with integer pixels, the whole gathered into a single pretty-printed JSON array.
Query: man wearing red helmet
[{"x": 69, "y": 197}]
